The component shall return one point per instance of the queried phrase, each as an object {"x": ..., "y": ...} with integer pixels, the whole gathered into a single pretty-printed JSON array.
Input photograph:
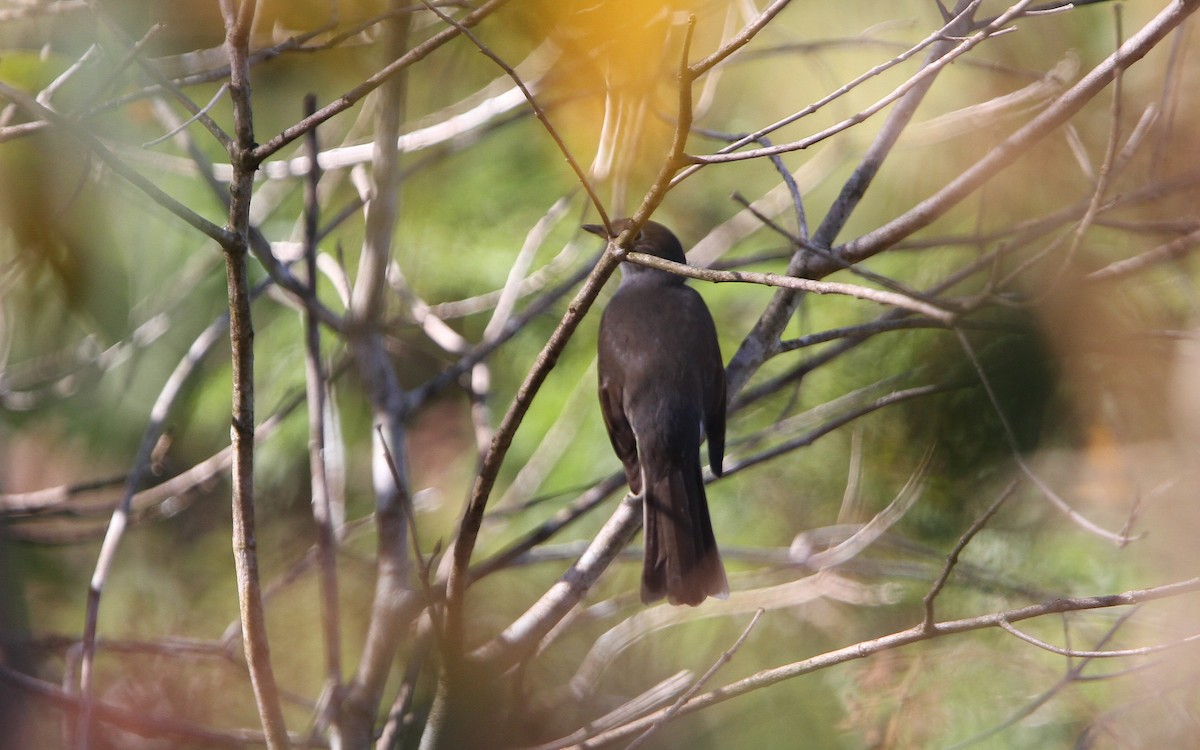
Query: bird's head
[{"x": 653, "y": 239}]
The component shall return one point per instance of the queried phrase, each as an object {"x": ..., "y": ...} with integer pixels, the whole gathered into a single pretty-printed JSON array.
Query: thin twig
[
  {"x": 140, "y": 722},
  {"x": 740, "y": 40},
  {"x": 933, "y": 38},
  {"x": 46, "y": 95},
  {"x": 523, "y": 635},
  {"x": 118, "y": 165},
  {"x": 352, "y": 97},
  {"x": 423, "y": 565},
  {"x": 724, "y": 659},
  {"x": 1010, "y": 438},
  {"x": 120, "y": 517},
  {"x": 1005, "y": 154},
  {"x": 869, "y": 532},
  {"x": 1172, "y": 250},
  {"x": 675, "y": 156},
  {"x": 1110, "y": 654},
  {"x": 1106, "y": 167},
  {"x": 762, "y": 342},
  {"x": 400, "y": 715},
  {"x": 884, "y": 325},
  {"x": 549, "y": 528},
  {"x": 742, "y": 463},
  {"x": 921, "y": 80},
  {"x": 1074, "y": 673},
  {"x": 883, "y": 297},
  {"x": 959, "y": 546},
  {"x": 538, "y": 110},
  {"x": 203, "y": 111},
  {"x": 801, "y": 243},
  {"x": 155, "y": 73}
]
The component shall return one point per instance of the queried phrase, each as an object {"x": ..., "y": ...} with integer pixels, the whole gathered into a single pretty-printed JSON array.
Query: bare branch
[
  {"x": 352, "y": 97},
  {"x": 922, "y": 80},
  {"x": 241, "y": 334},
  {"x": 428, "y": 369},
  {"x": 763, "y": 341},
  {"x": 519, "y": 639},
  {"x": 1110, "y": 654},
  {"x": 1073, "y": 673},
  {"x": 725, "y": 658},
  {"x": 1003, "y": 155},
  {"x": 742, "y": 38},
  {"x": 896, "y": 640},
  {"x": 873, "y": 529},
  {"x": 795, "y": 283},
  {"x": 959, "y": 546},
  {"x": 394, "y": 603},
  {"x": 580, "y": 174},
  {"x": 745, "y": 140},
  {"x": 1172, "y": 250},
  {"x": 1109, "y": 163},
  {"x": 139, "y": 722},
  {"x": 30, "y": 105}
]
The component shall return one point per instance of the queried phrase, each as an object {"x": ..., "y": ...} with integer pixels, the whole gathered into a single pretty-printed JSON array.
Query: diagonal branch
[
  {"x": 763, "y": 341},
  {"x": 742, "y": 38},
  {"x": 896, "y": 640},
  {"x": 1003, "y": 155},
  {"x": 33, "y": 107},
  {"x": 352, "y": 97},
  {"x": 538, "y": 110},
  {"x": 489, "y": 470}
]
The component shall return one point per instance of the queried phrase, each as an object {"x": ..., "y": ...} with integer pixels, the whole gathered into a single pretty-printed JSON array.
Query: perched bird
[{"x": 662, "y": 390}]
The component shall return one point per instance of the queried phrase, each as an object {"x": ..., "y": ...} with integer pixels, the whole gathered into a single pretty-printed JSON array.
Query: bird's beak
[{"x": 596, "y": 229}]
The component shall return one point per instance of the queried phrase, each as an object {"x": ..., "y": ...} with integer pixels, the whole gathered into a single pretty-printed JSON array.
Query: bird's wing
[
  {"x": 714, "y": 420},
  {"x": 620, "y": 433}
]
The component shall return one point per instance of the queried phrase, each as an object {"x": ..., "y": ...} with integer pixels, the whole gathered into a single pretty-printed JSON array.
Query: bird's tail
[{"x": 681, "y": 559}]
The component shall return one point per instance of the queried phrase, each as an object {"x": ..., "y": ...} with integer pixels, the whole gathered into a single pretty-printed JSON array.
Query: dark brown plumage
[{"x": 662, "y": 390}]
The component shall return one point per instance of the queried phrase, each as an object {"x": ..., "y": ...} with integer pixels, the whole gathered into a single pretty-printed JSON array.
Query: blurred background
[{"x": 1072, "y": 382}]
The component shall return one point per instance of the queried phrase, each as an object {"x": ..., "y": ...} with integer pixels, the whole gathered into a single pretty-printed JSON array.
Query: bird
[{"x": 662, "y": 392}]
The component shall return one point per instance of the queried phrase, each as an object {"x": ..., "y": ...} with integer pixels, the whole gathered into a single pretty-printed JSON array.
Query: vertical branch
[
  {"x": 316, "y": 389},
  {"x": 241, "y": 334},
  {"x": 393, "y": 598}
]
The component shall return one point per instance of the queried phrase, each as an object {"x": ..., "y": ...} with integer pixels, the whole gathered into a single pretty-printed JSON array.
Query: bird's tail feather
[{"x": 681, "y": 560}]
